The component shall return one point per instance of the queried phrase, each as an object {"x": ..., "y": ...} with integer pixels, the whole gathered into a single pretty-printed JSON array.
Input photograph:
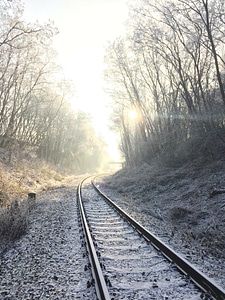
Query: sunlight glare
[{"x": 132, "y": 114}]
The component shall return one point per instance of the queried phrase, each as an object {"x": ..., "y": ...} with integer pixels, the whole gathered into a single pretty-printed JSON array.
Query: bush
[{"x": 14, "y": 222}]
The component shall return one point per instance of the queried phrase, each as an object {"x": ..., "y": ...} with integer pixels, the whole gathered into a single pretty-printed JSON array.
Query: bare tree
[{"x": 170, "y": 68}]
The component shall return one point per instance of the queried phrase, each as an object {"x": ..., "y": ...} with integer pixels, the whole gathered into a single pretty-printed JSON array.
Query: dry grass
[
  {"x": 24, "y": 174},
  {"x": 184, "y": 198}
]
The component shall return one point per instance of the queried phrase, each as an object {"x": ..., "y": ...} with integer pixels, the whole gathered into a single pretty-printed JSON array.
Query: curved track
[{"x": 128, "y": 262}]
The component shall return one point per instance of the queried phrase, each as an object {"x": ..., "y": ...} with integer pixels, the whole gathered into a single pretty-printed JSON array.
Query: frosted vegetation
[
  {"x": 169, "y": 68},
  {"x": 25, "y": 174},
  {"x": 41, "y": 136},
  {"x": 35, "y": 97}
]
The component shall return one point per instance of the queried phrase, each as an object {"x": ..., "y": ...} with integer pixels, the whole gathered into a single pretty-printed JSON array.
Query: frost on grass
[
  {"x": 13, "y": 220},
  {"x": 24, "y": 174},
  {"x": 178, "y": 205}
]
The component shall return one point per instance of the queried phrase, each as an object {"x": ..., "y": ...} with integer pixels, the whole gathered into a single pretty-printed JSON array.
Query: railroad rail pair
[{"x": 202, "y": 281}]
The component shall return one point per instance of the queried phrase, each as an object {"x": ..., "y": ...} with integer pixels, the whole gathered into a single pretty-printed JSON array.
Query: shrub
[{"x": 14, "y": 222}]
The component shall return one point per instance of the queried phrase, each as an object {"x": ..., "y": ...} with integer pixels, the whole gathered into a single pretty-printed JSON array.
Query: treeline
[
  {"x": 170, "y": 69},
  {"x": 34, "y": 107}
]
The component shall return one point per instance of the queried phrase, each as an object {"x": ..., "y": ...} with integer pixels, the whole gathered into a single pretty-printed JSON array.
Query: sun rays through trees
[{"x": 170, "y": 67}]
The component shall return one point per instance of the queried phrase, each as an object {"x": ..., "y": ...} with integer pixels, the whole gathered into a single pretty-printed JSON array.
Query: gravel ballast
[
  {"x": 47, "y": 262},
  {"x": 180, "y": 206},
  {"x": 50, "y": 261}
]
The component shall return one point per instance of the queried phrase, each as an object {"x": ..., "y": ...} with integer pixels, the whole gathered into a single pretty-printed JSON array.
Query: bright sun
[{"x": 132, "y": 114}]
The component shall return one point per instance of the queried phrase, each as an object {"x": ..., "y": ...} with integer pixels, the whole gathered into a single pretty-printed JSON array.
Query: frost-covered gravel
[
  {"x": 134, "y": 268},
  {"x": 212, "y": 266},
  {"x": 175, "y": 204},
  {"x": 48, "y": 262}
]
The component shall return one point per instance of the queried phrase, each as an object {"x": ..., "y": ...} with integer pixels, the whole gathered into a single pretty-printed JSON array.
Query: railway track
[{"x": 128, "y": 262}]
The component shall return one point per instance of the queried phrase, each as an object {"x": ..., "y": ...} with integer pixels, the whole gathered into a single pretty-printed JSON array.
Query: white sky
[{"x": 85, "y": 27}]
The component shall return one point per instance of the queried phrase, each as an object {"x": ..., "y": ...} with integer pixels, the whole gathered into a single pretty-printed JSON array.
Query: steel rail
[
  {"x": 100, "y": 284},
  {"x": 204, "y": 282}
]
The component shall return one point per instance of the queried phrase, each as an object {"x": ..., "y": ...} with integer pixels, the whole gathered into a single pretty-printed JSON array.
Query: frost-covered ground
[
  {"x": 48, "y": 261},
  {"x": 179, "y": 205},
  {"x": 184, "y": 206}
]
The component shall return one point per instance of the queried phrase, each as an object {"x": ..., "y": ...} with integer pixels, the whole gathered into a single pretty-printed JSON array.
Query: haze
[{"x": 85, "y": 27}]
